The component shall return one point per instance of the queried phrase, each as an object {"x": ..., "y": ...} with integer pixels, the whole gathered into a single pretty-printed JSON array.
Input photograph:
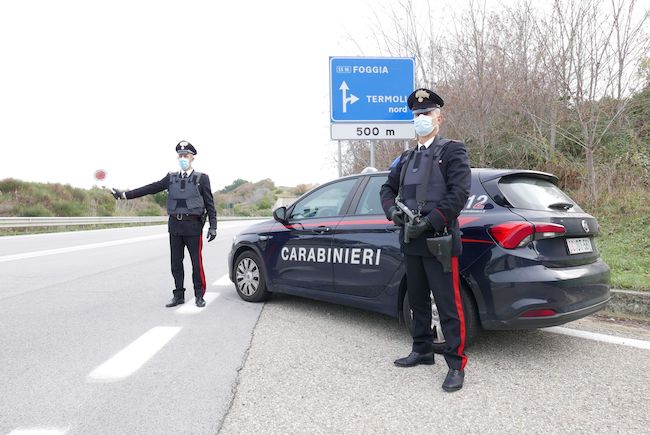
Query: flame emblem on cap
[{"x": 421, "y": 95}]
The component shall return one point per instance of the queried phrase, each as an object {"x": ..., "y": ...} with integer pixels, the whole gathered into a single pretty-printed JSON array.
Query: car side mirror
[{"x": 280, "y": 214}]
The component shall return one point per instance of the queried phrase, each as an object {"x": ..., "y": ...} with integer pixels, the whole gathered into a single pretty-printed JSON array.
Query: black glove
[
  {"x": 415, "y": 230},
  {"x": 396, "y": 215},
  {"x": 212, "y": 233},
  {"x": 118, "y": 194}
]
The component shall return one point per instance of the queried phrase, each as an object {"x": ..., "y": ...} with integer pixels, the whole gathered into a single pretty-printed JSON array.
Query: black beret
[
  {"x": 184, "y": 147},
  {"x": 423, "y": 101}
]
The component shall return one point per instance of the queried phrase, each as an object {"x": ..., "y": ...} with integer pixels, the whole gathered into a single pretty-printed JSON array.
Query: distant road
[{"x": 88, "y": 347}]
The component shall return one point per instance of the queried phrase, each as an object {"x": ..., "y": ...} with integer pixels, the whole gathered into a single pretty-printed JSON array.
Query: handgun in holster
[{"x": 440, "y": 247}]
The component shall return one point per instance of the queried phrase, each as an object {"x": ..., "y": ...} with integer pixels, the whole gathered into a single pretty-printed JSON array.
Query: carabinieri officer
[
  {"x": 190, "y": 198},
  {"x": 433, "y": 181}
]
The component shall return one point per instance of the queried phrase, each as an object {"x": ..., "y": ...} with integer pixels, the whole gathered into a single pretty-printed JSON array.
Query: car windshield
[{"x": 536, "y": 194}]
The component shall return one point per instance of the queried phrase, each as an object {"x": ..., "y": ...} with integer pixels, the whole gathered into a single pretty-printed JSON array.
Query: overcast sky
[{"x": 114, "y": 85}]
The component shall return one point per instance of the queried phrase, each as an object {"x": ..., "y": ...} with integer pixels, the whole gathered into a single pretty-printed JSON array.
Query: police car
[{"x": 529, "y": 258}]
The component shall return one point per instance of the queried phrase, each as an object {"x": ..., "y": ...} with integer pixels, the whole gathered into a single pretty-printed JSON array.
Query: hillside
[
  {"x": 29, "y": 199},
  {"x": 243, "y": 198}
]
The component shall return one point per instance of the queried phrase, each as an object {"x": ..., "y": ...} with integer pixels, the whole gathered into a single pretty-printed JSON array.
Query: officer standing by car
[
  {"x": 433, "y": 182},
  {"x": 190, "y": 198}
]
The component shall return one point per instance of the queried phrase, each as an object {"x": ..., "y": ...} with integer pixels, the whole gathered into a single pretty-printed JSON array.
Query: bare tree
[{"x": 592, "y": 51}]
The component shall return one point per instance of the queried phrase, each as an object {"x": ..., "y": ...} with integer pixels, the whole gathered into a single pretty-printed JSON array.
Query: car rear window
[{"x": 536, "y": 194}]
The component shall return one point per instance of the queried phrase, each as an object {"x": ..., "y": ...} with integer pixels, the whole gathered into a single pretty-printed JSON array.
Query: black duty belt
[{"x": 187, "y": 217}]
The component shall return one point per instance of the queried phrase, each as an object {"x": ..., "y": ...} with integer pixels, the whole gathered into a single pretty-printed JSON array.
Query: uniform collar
[
  {"x": 180, "y": 174},
  {"x": 427, "y": 144}
]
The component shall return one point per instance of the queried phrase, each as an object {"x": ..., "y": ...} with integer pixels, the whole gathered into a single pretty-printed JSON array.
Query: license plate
[{"x": 579, "y": 246}]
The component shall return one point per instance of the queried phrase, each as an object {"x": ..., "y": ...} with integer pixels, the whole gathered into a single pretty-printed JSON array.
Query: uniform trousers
[
  {"x": 425, "y": 275},
  {"x": 194, "y": 244}
]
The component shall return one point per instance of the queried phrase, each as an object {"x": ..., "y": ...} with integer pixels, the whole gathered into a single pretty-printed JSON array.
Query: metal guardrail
[{"x": 21, "y": 222}]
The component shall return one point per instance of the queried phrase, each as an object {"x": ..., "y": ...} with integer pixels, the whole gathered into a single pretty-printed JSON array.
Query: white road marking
[
  {"x": 132, "y": 357},
  {"x": 80, "y": 248},
  {"x": 613, "y": 339},
  {"x": 38, "y": 431},
  {"x": 223, "y": 281},
  {"x": 190, "y": 308}
]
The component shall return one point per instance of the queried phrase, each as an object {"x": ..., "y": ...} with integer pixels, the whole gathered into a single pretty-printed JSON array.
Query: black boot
[
  {"x": 454, "y": 380},
  {"x": 414, "y": 359},
  {"x": 178, "y": 299}
]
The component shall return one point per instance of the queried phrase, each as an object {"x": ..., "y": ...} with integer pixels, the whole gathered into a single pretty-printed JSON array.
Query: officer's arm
[
  {"x": 457, "y": 173},
  {"x": 390, "y": 188},
  {"x": 208, "y": 200},
  {"x": 149, "y": 189}
]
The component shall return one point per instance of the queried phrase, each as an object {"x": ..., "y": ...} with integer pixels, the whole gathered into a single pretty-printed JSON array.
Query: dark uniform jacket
[
  {"x": 189, "y": 227},
  {"x": 455, "y": 169}
]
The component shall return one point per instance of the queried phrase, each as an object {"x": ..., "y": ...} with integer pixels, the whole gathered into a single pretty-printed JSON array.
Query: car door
[
  {"x": 367, "y": 246},
  {"x": 304, "y": 242}
]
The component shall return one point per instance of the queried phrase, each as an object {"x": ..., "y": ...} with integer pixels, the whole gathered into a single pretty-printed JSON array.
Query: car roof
[{"x": 486, "y": 174}]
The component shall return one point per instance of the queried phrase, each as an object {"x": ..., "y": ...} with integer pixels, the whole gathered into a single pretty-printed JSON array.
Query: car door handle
[
  {"x": 322, "y": 229},
  {"x": 393, "y": 228}
]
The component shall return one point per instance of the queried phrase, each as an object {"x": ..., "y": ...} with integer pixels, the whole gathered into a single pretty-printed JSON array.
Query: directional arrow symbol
[{"x": 344, "y": 92}]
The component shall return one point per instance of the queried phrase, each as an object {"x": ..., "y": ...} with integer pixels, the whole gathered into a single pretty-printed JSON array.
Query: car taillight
[
  {"x": 539, "y": 313},
  {"x": 516, "y": 234}
]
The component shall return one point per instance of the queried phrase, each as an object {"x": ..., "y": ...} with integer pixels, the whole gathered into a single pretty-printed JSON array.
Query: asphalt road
[
  {"x": 71, "y": 302},
  {"x": 87, "y": 347},
  {"x": 317, "y": 368}
]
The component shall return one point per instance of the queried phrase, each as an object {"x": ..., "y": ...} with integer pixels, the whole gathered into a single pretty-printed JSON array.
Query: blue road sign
[{"x": 371, "y": 89}]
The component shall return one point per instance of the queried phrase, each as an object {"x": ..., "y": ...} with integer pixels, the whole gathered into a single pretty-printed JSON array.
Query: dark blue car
[{"x": 529, "y": 254}]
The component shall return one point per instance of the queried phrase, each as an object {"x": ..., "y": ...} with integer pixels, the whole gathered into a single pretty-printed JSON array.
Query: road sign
[
  {"x": 371, "y": 89},
  {"x": 100, "y": 175},
  {"x": 372, "y": 131}
]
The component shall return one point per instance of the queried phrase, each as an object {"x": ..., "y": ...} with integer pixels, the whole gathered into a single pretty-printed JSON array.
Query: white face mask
[
  {"x": 424, "y": 125},
  {"x": 184, "y": 163}
]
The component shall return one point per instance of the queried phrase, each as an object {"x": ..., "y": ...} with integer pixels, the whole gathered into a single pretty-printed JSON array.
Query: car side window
[
  {"x": 324, "y": 202},
  {"x": 370, "y": 202}
]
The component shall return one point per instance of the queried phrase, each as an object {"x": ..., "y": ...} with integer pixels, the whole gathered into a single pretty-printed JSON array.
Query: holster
[{"x": 440, "y": 247}]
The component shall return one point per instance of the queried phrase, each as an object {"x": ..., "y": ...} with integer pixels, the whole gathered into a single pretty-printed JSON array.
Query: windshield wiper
[{"x": 560, "y": 205}]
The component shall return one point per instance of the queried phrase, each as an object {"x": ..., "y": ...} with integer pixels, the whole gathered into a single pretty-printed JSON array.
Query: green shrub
[
  {"x": 264, "y": 203},
  {"x": 69, "y": 208},
  {"x": 37, "y": 210},
  {"x": 10, "y": 185},
  {"x": 161, "y": 198},
  {"x": 150, "y": 210}
]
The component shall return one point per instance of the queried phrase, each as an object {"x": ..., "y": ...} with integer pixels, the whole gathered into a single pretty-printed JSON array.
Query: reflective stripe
[{"x": 459, "y": 308}]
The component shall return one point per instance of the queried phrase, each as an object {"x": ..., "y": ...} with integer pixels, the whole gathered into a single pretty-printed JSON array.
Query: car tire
[
  {"x": 469, "y": 311},
  {"x": 250, "y": 280}
]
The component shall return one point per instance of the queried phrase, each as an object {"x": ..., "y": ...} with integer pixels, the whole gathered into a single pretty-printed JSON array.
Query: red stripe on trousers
[
  {"x": 459, "y": 308},
  {"x": 201, "y": 264}
]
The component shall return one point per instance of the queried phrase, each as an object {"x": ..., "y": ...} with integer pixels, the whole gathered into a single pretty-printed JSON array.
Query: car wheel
[
  {"x": 439, "y": 342},
  {"x": 249, "y": 278}
]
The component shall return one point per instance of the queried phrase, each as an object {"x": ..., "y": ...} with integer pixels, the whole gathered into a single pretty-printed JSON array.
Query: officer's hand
[
  {"x": 118, "y": 194},
  {"x": 415, "y": 230},
  {"x": 396, "y": 215},
  {"x": 212, "y": 233}
]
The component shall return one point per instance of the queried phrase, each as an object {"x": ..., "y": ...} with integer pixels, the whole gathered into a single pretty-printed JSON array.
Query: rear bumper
[
  {"x": 545, "y": 322},
  {"x": 572, "y": 292}
]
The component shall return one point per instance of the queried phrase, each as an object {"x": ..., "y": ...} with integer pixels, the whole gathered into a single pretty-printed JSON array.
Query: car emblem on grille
[{"x": 585, "y": 226}]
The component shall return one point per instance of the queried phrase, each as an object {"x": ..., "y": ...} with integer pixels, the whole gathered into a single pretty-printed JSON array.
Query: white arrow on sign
[{"x": 351, "y": 99}]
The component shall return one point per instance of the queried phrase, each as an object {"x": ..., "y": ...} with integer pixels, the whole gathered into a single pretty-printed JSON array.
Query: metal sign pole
[
  {"x": 340, "y": 167},
  {"x": 372, "y": 154}
]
